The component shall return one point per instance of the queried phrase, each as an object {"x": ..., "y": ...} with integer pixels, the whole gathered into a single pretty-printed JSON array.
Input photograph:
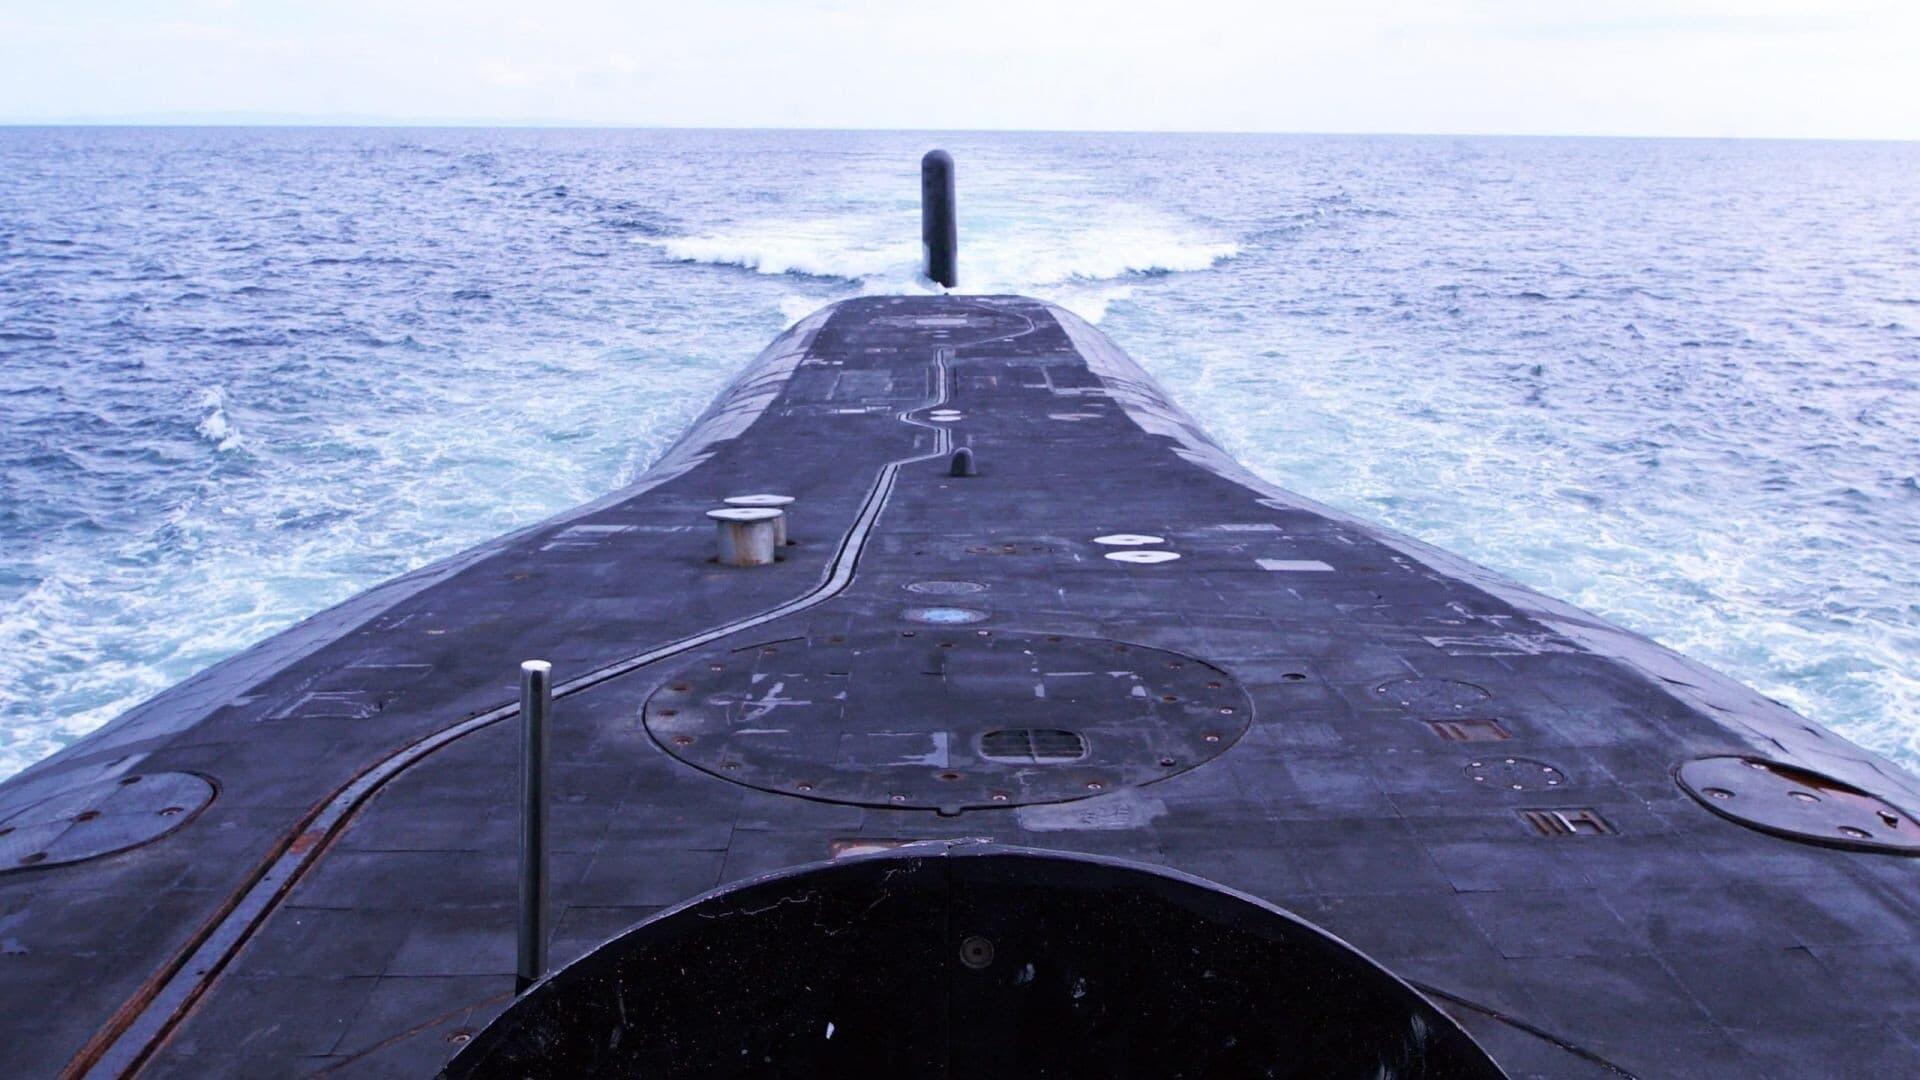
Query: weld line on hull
[{"x": 1544, "y": 1035}]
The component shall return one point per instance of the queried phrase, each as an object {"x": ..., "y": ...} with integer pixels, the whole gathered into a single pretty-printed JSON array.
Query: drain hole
[
  {"x": 1033, "y": 746},
  {"x": 976, "y": 953}
]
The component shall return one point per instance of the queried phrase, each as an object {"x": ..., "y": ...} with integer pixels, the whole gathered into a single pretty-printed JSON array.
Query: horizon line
[{"x": 353, "y": 121}]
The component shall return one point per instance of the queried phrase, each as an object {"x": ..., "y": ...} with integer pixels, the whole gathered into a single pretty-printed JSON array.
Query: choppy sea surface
[{"x": 246, "y": 373}]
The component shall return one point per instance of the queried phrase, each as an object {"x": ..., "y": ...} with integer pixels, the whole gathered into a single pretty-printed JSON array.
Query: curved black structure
[
  {"x": 939, "y": 230},
  {"x": 967, "y": 960}
]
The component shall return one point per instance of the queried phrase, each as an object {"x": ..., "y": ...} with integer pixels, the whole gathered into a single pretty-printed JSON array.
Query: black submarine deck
[{"x": 1504, "y": 802}]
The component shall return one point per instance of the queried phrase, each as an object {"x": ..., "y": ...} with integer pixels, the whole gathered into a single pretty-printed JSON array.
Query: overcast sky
[{"x": 1819, "y": 68}]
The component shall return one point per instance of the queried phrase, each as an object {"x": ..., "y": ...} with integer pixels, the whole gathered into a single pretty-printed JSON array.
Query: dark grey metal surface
[
  {"x": 347, "y": 902},
  {"x": 969, "y": 960}
]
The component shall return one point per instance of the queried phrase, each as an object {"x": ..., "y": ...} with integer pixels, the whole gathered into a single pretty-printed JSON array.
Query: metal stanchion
[
  {"x": 536, "y": 702},
  {"x": 938, "y": 230}
]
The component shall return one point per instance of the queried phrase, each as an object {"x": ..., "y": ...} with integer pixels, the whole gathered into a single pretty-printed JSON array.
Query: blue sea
[{"x": 246, "y": 373}]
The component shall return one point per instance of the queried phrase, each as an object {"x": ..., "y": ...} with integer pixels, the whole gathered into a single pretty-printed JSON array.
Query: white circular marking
[
  {"x": 744, "y": 513},
  {"x": 1143, "y": 556},
  {"x": 758, "y": 500},
  {"x": 1128, "y": 539}
]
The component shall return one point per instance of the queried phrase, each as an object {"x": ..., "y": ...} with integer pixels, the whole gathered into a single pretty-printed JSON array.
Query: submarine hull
[{"x": 1109, "y": 663}]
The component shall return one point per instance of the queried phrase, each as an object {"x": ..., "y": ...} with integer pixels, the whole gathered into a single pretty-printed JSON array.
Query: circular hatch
[
  {"x": 947, "y": 719},
  {"x": 1798, "y": 804},
  {"x": 100, "y": 818}
]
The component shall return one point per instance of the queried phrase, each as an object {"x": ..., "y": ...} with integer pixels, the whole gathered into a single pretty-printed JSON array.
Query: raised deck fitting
[
  {"x": 536, "y": 702},
  {"x": 782, "y": 525},
  {"x": 1470, "y": 786},
  {"x": 748, "y": 535}
]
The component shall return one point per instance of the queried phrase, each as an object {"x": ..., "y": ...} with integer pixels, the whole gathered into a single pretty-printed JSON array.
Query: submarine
[{"x": 945, "y": 702}]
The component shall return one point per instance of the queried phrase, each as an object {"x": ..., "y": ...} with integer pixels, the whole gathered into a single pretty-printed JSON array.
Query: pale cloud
[{"x": 1674, "y": 67}]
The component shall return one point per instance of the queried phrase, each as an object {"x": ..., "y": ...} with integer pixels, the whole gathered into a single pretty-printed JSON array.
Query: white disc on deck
[
  {"x": 1143, "y": 556},
  {"x": 744, "y": 513}
]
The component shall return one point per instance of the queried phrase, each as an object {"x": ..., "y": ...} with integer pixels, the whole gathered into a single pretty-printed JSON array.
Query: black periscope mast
[{"x": 1010, "y": 728}]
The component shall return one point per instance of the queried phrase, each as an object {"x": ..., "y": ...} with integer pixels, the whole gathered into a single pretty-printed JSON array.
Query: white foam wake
[
  {"x": 1084, "y": 264},
  {"x": 833, "y": 247}
]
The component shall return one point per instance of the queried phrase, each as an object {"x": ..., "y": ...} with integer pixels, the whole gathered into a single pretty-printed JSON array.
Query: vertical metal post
[
  {"x": 938, "y": 230},
  {"x": 536, "y": 702}
]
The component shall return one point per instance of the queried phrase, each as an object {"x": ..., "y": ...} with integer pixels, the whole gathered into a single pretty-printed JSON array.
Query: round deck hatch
[
  {"x": 947, "y": 719},
  {"x": 99, "y": 818},
  {"x": 1799, "y": 804},
  {"x": 1432, "y": 694}
]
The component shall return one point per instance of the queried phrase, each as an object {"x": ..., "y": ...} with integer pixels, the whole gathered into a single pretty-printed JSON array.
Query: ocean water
[{"x": 245, "y": 373}]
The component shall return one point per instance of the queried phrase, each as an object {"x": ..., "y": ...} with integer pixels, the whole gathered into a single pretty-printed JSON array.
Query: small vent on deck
[
  {"x": 1567, "y": 823},
  {"x": 1033, "y": 746},
  {"x": 1470, "y": 730}
]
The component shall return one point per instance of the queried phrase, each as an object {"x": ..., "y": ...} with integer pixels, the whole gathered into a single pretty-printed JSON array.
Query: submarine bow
[{"x": 1084, "y": 752}]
